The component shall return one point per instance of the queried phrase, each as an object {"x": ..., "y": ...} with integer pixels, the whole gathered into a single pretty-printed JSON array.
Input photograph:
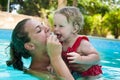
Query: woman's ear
[{"x": 29, "y": 46}]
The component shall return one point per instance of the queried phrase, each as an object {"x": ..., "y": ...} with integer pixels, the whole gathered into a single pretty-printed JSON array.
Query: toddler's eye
[
  {"x": 54, "y": 25},
  {"x": 61, "y": 26}
]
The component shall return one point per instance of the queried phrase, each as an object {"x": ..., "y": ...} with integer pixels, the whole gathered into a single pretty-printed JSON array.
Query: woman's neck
[{"x": 40, "y": 63}]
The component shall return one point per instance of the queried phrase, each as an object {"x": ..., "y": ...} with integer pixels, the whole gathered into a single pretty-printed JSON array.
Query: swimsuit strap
[{"x": 78, "y": 41}]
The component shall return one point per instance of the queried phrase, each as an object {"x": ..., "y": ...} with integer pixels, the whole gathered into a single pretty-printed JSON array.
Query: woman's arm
[{"x": 54, "y": 49}]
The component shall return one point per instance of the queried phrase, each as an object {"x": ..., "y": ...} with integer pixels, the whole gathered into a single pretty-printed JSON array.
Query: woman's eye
[{"x": 39, "y": 31}]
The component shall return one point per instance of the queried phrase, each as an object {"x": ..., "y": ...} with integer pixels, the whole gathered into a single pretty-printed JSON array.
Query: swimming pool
[{"x": 109, "y": 51}]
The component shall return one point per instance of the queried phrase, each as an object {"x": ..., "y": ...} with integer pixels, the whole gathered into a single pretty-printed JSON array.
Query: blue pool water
[{"x": 109, "y": 51}]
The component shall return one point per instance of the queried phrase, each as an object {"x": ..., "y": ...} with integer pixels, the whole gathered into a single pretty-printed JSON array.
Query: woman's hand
[
  {"x": 54, "y": 47},
  {"x": 50, "y": 69}
]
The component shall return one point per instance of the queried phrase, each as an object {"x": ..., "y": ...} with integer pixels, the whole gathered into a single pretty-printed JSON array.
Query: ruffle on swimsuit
[{"x": 92, "y": 71}]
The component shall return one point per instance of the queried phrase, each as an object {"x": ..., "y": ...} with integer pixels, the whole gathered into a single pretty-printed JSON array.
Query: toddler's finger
[
  {"x": 70, "y": 58},
  {"x": 70, "y": 54},
  {"x": 71, "y": 61}
]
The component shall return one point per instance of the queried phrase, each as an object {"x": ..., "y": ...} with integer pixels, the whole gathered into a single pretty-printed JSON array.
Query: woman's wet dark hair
[{"x": 17, "y": 50}]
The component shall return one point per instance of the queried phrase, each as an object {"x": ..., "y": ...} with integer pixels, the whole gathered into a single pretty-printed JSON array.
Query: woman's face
[{"x": 37, "y": 32}]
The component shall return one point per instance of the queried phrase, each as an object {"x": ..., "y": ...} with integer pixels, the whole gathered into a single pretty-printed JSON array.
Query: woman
[{"x": 31, "y": 38}]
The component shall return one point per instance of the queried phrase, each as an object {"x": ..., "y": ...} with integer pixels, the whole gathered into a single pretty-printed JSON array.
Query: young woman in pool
[
  {"x": 78, "y": 53},
  {"x": 30, "y": 38}
]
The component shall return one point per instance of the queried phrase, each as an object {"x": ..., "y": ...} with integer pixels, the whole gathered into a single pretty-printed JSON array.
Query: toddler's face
[{"x": 62, "y": 28}]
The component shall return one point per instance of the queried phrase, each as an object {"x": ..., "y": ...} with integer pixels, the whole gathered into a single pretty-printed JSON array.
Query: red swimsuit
[{"x": 93, "y": 71}]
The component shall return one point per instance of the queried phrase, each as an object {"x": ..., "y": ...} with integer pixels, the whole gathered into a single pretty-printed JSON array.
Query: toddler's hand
[{"x": 73, "y": 57}]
